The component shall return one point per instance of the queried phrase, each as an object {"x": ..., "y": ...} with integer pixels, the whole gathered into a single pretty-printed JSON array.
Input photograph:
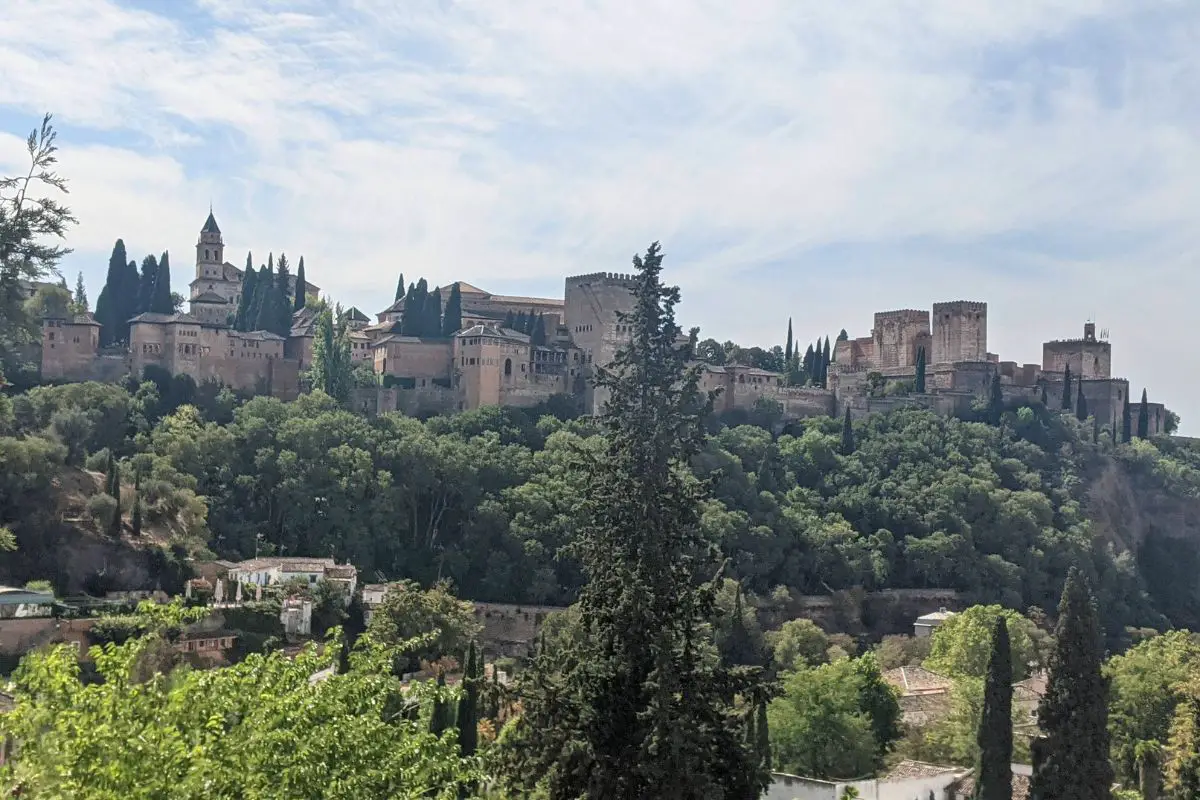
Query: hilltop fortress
[{"x": 485, "y": 363}]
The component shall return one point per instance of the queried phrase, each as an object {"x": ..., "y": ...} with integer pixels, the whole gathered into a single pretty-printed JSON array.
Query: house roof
[
  {"x": 395, "y": 308},
  {"x": 13, "y": 596},
  {"x": 285, "y": 564},
  {"x": 466, "y": 288},
  {"x": 354, "y": 314},
  {"x": 526, "y": 301},
  {"x": 210, "y": 224},
  {"x": 917, "y": 680},
  {"x": 165, "y": 319},
  {"x": 257, "y": 336},
  {"x": 1033, "y": 686},
  {"x": 85, "y": 319},
  {"x": 396, "y": 337},
  {"x": 909, "y": 770},
  {"x": 936, "y": 616},
  {"x": 484, "y": 329},
  {"x": 965, "y": 789}
]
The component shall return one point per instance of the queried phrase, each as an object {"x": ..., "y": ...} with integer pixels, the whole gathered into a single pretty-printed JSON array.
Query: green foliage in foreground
[{"x": 262, "y": 729}]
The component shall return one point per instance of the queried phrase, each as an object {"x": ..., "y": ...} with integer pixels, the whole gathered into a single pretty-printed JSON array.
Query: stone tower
[
  {"x": 210, "y": 251},
  {"x": 959, "y": 332},
  {"x": 590, "y": 314}
]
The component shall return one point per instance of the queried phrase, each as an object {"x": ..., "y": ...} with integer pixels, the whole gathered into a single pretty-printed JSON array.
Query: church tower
[{"x": 210, "y": 251}]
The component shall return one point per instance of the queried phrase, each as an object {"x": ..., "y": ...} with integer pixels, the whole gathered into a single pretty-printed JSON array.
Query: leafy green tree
[
  {"x": 331, "y": 371},
  {"x": 995, "y": 737},
  {"x": 963, "y": 644},
  {"x": 1067, "y": 387},
  {"x": 1074, "y": 712},
  {"x": 1143, "y": 419},
  {"x": 452, "y": 317},
  {"x": 408, "y": 611},
  {"x": 160, "y": 296},
  {"x": 301, "y": 293},
  {"x": 637, "y": 709},
  {"x": 1183, "y": 747},
  {"x": 442, "y": 718},
  {"x": 79, "y": 301},
  {"x": 919, "y": 384},
  {"x": 878, "y": 700},
  {"x": 847, "y": 433},
  {"x": 48, "y": 301},
  {"x": 798, "y": 643}
]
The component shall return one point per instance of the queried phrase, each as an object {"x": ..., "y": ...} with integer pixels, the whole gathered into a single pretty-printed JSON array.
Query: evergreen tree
[
  {"x": 995, "y": 400},
  {"x": 354, "y": 627},
  {"x": 400, "y": 287},
  {"x": 1143, "y": 428},
  {"x": 1183, "y": 747},
  {"x": 633, "y": 708},
  {"x": 467, "y": 718},
  {"x": 519, "y": 322},
  {"x": 919, "y": 383},
  {"x": 114, "y": 525},
  {"x": 787, "y": 349},
  {"x": 160, "y": 296},
  {"x": 538, "y": 336},
  {"x": 1126, "y": 422},
  {"x": 878, "y": 701},
  {"x": 509, "y": 321},
  {"x": 995, "y": 736},
  {"x": 442, "y": 717},
  {"x": 242, "y": 319},
  {"x": 809, "y": 365},
  {"x": 452, "y": 317},
  {"x": 135, "y": 521},
  {"x": 1112, "y": 430},
  {"x": 79, "y": 302},
  {"x": 412, "y": 323},
  {"x": 146, "y": 284},
  {"x": 1045, "y": 399},
  {"x": 1066, "y": 395},
  {"x": 1081, "y": 407},
  {"x": 826, "y": 359},
  {"x": 301, "y": 292},
  {"x": 265, "y": 297},
  {"x": 108, "y": 307},
  {"x": 847, "y": 434},
  {"x": 1074, "y": 712},
  {"x": 332, "y": 370},
  {"x": 1095, "y": 430},
  {"x": 738, "y": 647},
  {"x": 264, "y": 282},
  {"x": 129, "y": 305},
  {"x": 763, "y": 738},
  {"x": 432, "y": 328},
  {"x": 110, "y": 475},
  {"x": 843, "y": 336},
  {"x": 281, "y": 298}
]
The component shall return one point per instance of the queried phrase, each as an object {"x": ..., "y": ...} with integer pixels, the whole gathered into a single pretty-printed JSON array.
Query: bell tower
[{"x": 210, "y": 250}]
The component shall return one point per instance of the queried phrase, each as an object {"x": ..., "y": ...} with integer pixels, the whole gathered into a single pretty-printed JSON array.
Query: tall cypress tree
[
  {"x": 996, "y": 400},
  {"x": 847, "y": 433},
  {"x": 1143, "y": 429},
  {"x": 1066, "y": 395},
  {"x": 762, "y": 737},
  {"x": 919, "y": 383},
  {"x": 114, "y": 523},
  {"x": 1073, "y": 715},
  {"x": 131, "y": 284},
  {"x": 264, "y": 298},
  {"x": 1126, "y": 422},
  {"x": 160, "y": 297},
  {"x": 432, "y": 328},
  {"x": 509, "y": 321},
  {"x": 787, "y": 349},
  {"x": 995, "y": 735},
  {"x": 442, "y": 716},
  {"x": 80, "y": 299},
  {"x": 1081, "y": 407},
  {"x": 738, "y": 647},
  {"x": 281, "y": 298},
  {"x": 107, "y": 306},
  {"x": 1045, "y": 399},
  {"x": 400, "y": 287},
  {"x": 467, "y": 718},
  {"x": 452, "y": 316},
  {"x": 242, "y": 320},
  {"x": 146, "y": 283},
  {"x": 135, "y": 521},
  {"x": 301, "y": 297},
  {"x": 632, "y": 709},
  {"x": 538, "y": 336},
  {"x": 809, "y": 361},
  {"x": 826, "y": 357}
]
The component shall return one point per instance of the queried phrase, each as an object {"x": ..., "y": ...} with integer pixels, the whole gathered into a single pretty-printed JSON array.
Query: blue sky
[{"x": 818, "y": 160}]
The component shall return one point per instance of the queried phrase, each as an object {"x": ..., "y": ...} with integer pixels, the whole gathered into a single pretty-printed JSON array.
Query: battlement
[
  {"x": 1067, "y": 344},
  {"x": 619, "y": 278},
  {"x": 951, "y": 306},
  {"x": 904, "y": 314}
]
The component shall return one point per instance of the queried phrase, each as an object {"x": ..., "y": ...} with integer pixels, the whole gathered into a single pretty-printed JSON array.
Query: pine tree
[
  {"x": 80, "y": 300},
  {"x": 400, "y": 287},
  {"x": 160, "y": 297},
  {"x": 452, "y": 317},
  {"x": 146, "y": 284},
  {"x": 787, "y": 349},
  {"x": 1143, "y": 428},
  {"x": 632, "y": 709},
  {"x": 467, "y": 718},
  {"x": 441, "y": 718},
  {"x": 1074, "y": 712},
  {"x": 135, "y": 521},
  {"x": 432, "y": 328},
  {"x": 1066, "y": 395},
  {"x": 242, "y": 319},
  {"x": 995, "y": 736},
  {"x": 1126, "y": 422},
  {"x": 1081, "y": 407},
  {"x": 301, "y": 297},
  {"x": 847, "y": 434},
  {"x": 108, "y": 309},
  {"x": 919, "y": 383}
]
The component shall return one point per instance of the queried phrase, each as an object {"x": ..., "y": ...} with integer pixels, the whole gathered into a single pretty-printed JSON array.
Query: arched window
[
  {"x": 206, "y": 255},
  {"x": 508, "y": 367}
]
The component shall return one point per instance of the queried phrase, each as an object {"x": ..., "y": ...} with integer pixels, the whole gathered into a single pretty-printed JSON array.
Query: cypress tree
[
  {"x": 996, "y": 400},
  {"x": 1126, "y": 422},
  {"x": 538, "y": 336},
  {"x": 243, "y": 319},
  {"x": 114, "y": 525},
  {"x": 136, "y": 519},
  {"x": 826, "y": 357},
  {"x": 467, "y": 718},
  {"x": 301, "y": 297},
  {"x": 264, "y": 282},
  {"x": 413, "y": 322},
  {"x": 400, "y": 287},
  {"x": 1095, "y": 430},
  {"x": 281, "y": 299},
  {"x": 1081, "y": 408},
  {"x": 738, "y": 647},
  {"x": 440, "y": 719},
  {"x": 509, "y": 321},
  {"x": 519, "y": 322},
  {"x": 1066, "y": 395},
  {"x": 1143, "y": 429},
  {"x": 919, "y": 383},
  {"x": 160, "y": 298},
  {"x": 995, "y": 735},
  {"x": 131, "y": 285},
  {"x": 1112, "y": 430},
  {"x": 433, "y": 315},
  {"x": 787, "y": 349},
  {"x": 1074, "y": 712},
  {"x": 452, "y": 316},
  {"x": 107, "y": 309},
  {"x": 110, "y": 474},
  {"x": 146, "y": 281},
  {"x": 264, "y": 298},
  {"x": 1045, "y": 399},
  {"x": 847, "y": 433},
  {"x": 632, "y": 709},
  {"x": 809, "y": 365},
  {"x": 763, "y": 738},
  {"x": 354, "y": 627}
]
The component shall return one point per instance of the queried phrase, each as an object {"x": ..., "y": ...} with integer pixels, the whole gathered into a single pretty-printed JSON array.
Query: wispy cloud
[{"x": 818, "y": 160}]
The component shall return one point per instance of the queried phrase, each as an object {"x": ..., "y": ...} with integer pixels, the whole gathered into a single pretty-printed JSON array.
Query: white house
[
  {"x": 277, "y": 569},
  {"x": 928, "y": 623},
  {"x": 908, "y": 780}
]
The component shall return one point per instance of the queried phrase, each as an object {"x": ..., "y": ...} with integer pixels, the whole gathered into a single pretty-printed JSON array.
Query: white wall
[{"x": 788, "y": 787}]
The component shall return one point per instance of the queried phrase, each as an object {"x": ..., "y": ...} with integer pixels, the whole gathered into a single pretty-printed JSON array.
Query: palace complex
[{"x": 485, "y": 363}]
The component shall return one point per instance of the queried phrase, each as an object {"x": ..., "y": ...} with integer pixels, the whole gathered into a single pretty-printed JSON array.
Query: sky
[{"x": 814, "y": 160}]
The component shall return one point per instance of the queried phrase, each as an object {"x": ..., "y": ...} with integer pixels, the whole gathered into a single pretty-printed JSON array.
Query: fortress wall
[
  {"x": 1088, "y": 359},
  {"x": 896, "y": 334},
  {"x": 959, "y": 332}
]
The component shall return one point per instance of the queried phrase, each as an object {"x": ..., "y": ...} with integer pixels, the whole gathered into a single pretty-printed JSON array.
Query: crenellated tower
[
  {"x": 590, "y": 315},
  {"x": 959, "y": 332}
]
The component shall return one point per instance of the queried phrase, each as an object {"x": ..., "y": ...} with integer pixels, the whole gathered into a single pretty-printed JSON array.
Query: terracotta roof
[
  {"x": 267, "y": 562},
  {"x": 1034, "y": 685},
  {"x": 908, "y": 770},
  {"x": 85, "y": 319},
  {"x": 396, "y": 337},
  {"x": 917, "y": 680},
  {"x": 965, "y": 789},
  {"x": 165, "y": 319},
  {"x": 492, "y": 330},
  {"x": 394, "y": 308}
]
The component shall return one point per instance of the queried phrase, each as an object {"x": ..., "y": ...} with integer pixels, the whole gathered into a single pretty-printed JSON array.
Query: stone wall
[
  {"x": 590, "y": 316},
  {"x": 19, "y": 636},
  {"x": 959, "y": 332},
  {"x": 1089, "y": 359},
  {"x": 410, "y": 357},
  {"x": 896, "y": 335},
  {"x": 432, "y": 399}
]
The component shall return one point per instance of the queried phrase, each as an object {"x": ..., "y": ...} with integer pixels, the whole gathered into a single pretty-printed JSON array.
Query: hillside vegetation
[{"x": 488, "y": 497}]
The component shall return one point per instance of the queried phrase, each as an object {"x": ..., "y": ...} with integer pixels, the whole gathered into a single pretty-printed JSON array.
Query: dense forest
[{"x": 488, "y": 498}]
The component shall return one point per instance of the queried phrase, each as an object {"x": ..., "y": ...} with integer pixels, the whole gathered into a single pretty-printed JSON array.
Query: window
[
  {"x": 508, "y": 367},
  {"x": 52, "y": 336}
]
